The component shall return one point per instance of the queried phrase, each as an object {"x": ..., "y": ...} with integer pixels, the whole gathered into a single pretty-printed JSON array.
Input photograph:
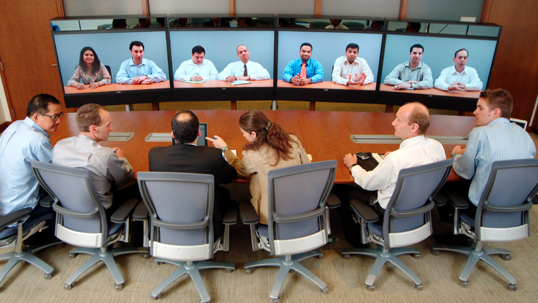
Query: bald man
[{"x": 376, "y": 186}]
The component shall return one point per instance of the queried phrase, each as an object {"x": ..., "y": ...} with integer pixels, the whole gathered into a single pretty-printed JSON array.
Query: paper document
[
  {"x": 239, "y": 82},
  {"x": 189, "y": 81}
]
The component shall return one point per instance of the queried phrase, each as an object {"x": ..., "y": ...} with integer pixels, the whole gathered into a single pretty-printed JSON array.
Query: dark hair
[
  {"x": 40, "y": 104},
  {"x": 88, "y": 115},
  {"x": 352, "y": 45},
  {"x": 419, "y": 115},
  {"x": 499, "y": 98},
  {"x": 306, "y": 44},
  {"x": 459, "y": 50},
  {"x": 96, "y": 65},
  {"x": 416, "y": 46},
  {"x": 414, "y": 25},
  {"x": 185, "y": 129},
  {"x": 267, "y": 132},
  {"x": 137, "y": 43},
  {"x": 198, "y": 49}
]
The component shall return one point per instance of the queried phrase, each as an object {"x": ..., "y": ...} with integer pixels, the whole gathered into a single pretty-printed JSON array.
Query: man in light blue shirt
[
  {"x": 22, "y": 141},
  {"x": 196, "y": 69},
  {"x": 138, "y": 70},
  {"x": 314, "y": 70},
  {"x": 494, "y": 139}
]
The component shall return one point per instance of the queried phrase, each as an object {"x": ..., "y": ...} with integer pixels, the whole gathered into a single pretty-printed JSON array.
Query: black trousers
[{"x": 345, "y": 193}]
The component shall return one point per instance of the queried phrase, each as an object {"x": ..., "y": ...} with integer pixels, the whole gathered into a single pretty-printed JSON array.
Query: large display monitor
[{"x": 220, "y": 45}]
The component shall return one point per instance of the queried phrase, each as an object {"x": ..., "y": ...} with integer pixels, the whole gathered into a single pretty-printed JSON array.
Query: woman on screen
[
  {"x": 269, "y": 147},
  {"x": 89, "y": 71}
]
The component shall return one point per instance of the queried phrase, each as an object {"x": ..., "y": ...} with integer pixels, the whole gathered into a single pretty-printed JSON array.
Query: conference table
[
  {"x": 325, "y": 135},
  {"x": 432, "y": 91},
  {"x": 114, "y": 87}
]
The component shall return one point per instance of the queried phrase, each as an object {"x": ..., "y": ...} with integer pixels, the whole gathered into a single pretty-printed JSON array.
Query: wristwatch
[
  {"x": 352, "y": 165},
  {"x": 225, "y": 148}
]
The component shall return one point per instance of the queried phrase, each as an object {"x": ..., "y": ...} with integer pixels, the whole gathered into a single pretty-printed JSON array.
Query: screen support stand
[
  {"x": 274, "y": 106},
  {"x": 128, "y": 107},
  {"x": 389, "y": 108},
  {"x": 312, "y": 106},
  {"x": 233, "y": 105},
  {"x": 155, "y": 106}
]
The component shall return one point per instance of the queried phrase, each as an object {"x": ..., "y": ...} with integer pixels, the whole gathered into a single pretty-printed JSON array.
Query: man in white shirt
[
  {"x": 412, "y": 74},
  {"x": 196, "y": 69},
  {"x": 459, "y": 77},
  {"x": 351, "y": 69},
  {"x": 376, "y": 186},
  {"x": 244, "y": 69}
]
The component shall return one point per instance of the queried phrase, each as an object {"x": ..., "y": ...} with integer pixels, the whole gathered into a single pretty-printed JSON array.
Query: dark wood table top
[
  {"x": 116, "y": 87},
  {"x": 324, "y": 134}
]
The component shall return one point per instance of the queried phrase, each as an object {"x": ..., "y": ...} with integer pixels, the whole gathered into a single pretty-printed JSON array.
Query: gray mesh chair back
[
  {"x": 298, "y": 219},
  {"x": 407, "y": 219},
  {"x": 181, "y": 223},
  {"x": 502, "y": 214}
]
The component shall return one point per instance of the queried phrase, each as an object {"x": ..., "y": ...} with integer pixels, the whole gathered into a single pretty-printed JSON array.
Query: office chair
[
  {"x": 407, "y": 219},
  {"x": 109, "y": 70},
  {"x": 81, "y": 219},
  {"x": 14, "y": 236},
  {"x": 502, "y": 214},
  {"x": 181, "y": 225},
  {"x": 298, "y": 220}
]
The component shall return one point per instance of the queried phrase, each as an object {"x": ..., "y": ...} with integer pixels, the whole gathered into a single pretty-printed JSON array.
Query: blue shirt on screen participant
[
  {"x": 128, "y": 70},
  {"x": 314, "y": 70}
]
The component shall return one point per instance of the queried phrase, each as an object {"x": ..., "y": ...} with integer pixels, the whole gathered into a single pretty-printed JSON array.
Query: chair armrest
[
  {"x": 124, "y": 211},
  {"x": 364, "y": 211},
  {"x": 302, "y": 217},
  {"x": 140, "y": 213},
  {"x": 523, "y": 207},
  {"x": 409, "y": 213},
  {"x": 71, "y": 213},
  {"x": 440, "y": 200},
  {"x": 230, "y": 218},
  {"x": 457, "y": 201},
  {"x": 333, "y": 201},
  {"x": 248, "y": 213},
  {"x": 14, "y": 217},
  {"x": 46, "y": 201},
  {"x": 170, "y": 225}
]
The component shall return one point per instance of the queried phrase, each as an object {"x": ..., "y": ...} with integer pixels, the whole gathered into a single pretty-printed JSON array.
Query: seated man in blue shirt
[
  {"x": 22, "y": 141},
  {"x": 138, "y": 70},
  {"x": 303, "y": 71},
  {"x": 493, "y": 139}
]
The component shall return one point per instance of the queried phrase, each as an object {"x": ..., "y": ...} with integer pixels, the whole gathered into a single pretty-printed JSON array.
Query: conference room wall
[
  {"x": 439, "y": 53},
  {"x": 103, "y": 7},
  {"x": 220, "y": 47},
  {"x": 112, "y": 49},
  {"x": 451, "y": 10},
  {"x": 327, "y": 47}
]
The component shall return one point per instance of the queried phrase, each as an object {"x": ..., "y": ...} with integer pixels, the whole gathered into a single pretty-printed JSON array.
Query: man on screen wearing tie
[
  {"x": 303, "y": 71},
  {"x": 244, "y": 69}
]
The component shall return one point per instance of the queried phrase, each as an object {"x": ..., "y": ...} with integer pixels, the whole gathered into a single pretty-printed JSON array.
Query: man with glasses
[{"x": 22, "y": 141}]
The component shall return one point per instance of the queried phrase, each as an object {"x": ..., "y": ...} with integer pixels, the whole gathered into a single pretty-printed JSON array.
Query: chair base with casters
[
  {"x": 476, "y": 254},
  {"x": 287, "y": 263},
  {"x": 383, "y": 256},
  {"x": 193, "y": 270},
  {"x": 15, "y": 237}
]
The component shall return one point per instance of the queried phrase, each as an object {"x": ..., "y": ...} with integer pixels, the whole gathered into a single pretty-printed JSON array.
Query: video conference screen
[
  {"x": 438, "y": 55},
  {"x": 112, "y": 49},
  {"x": 327, "y": 47}
]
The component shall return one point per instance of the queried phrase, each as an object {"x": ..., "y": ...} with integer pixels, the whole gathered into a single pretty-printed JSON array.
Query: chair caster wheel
[
  {"x": 154, "y": 297},
  {"x": 68, "y": 286},
  {"x": 61, "y": 245},
  {"x": 47, "y": 276},
  {"x": 419, "y": 286},
  {"x": 464, "y": 283},
  {"x": 145, "y": 256},
  {"x": 346, "y": 256},
  {"x": 205, "y": 301},
  {"x": 158, "y": 263},
  {"x": 277, "y": 300},
  {"x": 319, "y": 257},
  {"x": 435, "y": 252},
  {"x": 229, "y": 270},
  {"x": 118, "y": 287},
  {"x": 370, "y": 287},
  {"x": 417, "y": 256},
  {"x": 71, "y": 255},
  {"x": 248, "y": 271},
  {"x": 512, "y": 287},
  {"x": 507, "y": 257},
  {"x": 325, "y": 290}
]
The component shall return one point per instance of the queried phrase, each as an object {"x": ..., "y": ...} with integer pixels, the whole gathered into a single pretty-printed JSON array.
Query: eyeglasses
[{"x": 54, "y": 117}]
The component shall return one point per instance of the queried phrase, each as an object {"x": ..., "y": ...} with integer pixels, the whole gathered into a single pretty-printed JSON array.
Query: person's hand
[
  {"x": 139, "y": 79},
  {"x": 93, "y": 85},
  {"x": 404, "y": 85},
  {"x": 147, "y": 81},
  {"x": 458, "y": 149},
  {"x": 80, "y": 86},
  {"x": 456, "y": 86},
  {"x": 217, "y": 141},
  {"x": 231, "y": 78},
  {"x": 197, "y": 78},
  {"x": 305, "y": 81},
  {"x": 295, "y": 80},
  {"x": 119, "y": 152},
  {"x": 350, "y": 159},
  {"x": 360, "y": 80}
]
